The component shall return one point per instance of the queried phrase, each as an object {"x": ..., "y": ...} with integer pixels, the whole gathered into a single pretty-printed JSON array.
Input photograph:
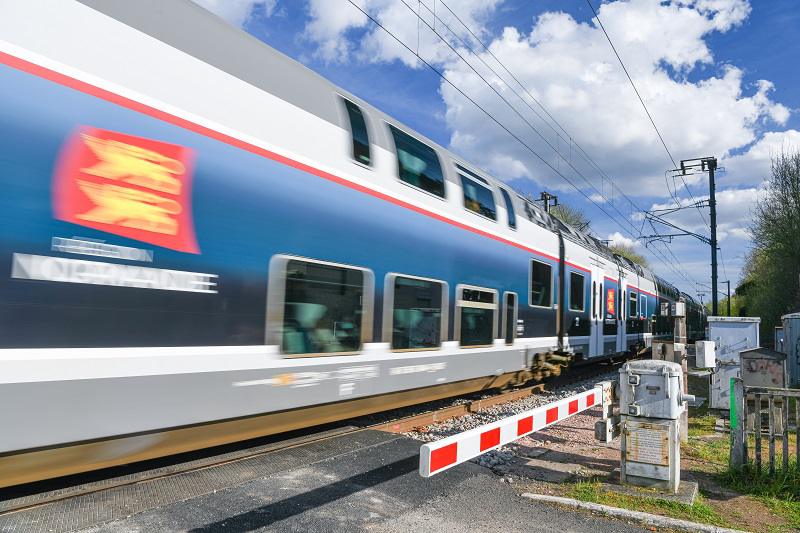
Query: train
[{"x": 203, "y": 241}]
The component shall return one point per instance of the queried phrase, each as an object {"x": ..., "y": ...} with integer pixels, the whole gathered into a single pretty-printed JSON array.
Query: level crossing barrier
[{"x": 438, "y": 456}]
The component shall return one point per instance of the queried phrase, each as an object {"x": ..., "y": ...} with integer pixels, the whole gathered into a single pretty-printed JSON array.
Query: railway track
[{"x": 29, "y": 497}]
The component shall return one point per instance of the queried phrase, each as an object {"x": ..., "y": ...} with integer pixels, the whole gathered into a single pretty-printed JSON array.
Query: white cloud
[
  {"x": 618, "y": 239},
  {"x": 238, "y": 12},
  {"x": 330, "y": 25},
  {"x": 754, "y": 165},
  {"x": 569, "y": 67}
]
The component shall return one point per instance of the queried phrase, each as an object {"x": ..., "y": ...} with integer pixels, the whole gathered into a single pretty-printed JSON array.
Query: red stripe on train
[{"x": 78, "y": 85}]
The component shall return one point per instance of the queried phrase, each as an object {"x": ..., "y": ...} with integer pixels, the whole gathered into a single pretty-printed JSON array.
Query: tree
[
  {"x": 627, "y": 251},
  {"x": 772, "y": 269},
  {"x": 571, "y": 217}
]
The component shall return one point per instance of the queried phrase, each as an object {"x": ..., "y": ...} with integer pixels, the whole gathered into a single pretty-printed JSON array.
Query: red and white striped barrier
[{"x": 438, "y": 456}]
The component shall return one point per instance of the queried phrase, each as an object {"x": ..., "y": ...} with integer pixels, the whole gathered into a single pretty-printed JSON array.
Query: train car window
[
  {"x": 510, "y": 317},
  {"x": 415, "y": 312},
  {"x": 478, "y": 198},
  {"x": 512, "y": 217},
  {"x": 632, "y": 305},
  {"x": 417, "y": 163},
  {"x": 643, "y": 305},
  {"x": 594, "y": 299},
  {"x": 541, "y": 294},
  {"x": 323, "y": 308},
  {"x": 476, "y": 315},
  {"x": 358, "y": 130},
  {"x": 576, "y": 290}
]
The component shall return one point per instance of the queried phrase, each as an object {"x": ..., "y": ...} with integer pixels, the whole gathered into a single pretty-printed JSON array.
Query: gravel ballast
[{"x": 501, "y": 456}]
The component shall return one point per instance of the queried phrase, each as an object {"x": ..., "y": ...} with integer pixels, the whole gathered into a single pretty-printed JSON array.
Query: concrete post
[{"x": 680, "y": 340}]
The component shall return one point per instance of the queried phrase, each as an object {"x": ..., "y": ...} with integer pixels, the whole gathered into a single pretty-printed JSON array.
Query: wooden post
[
  {"x": 758, "y": 433},
  {"x": 738, "y": 424},
  {"x": 797, "y": 429},
  {"x": 771, "y": 407},
  {"x": 785, "y": 433}
]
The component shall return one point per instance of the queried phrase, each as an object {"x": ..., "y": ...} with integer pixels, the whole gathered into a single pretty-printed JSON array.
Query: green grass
[
  {"x": 698, "y": 512},
  {"x": 784, "y": 485},
  {"x": 713, "y": 452},
  {"x": 789, "y": 511},
  {"x": 702, "y": 423},
  {"x": 781, "y": 493}
]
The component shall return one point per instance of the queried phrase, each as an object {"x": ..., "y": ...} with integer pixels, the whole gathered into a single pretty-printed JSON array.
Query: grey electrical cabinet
[
  {"x": 651, "y": 403},
  {"x": 731, "y": 335},
  {"x": 651, "y": 389},
  {"x": 762, "y": 367},
  {"x": 791, "y": 346}
]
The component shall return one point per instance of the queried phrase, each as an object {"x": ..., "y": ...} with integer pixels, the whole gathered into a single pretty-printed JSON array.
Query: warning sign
[{"x": 647, "y": 443}]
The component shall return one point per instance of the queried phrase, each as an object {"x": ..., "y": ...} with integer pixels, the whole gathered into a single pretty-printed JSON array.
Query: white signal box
[
  {"x": 705, "y": 354},
  {"x": 673, "y": 309}
]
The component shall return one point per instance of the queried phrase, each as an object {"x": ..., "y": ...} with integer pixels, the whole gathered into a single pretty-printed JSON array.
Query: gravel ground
[{"x": 497, "y": 459}]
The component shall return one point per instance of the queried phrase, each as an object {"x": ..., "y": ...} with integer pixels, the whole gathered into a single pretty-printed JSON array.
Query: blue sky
[{"x": 719, "y": 78}]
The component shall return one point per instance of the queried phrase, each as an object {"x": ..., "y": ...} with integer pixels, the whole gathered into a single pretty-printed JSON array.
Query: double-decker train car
[{"x": 203, "y": 241}]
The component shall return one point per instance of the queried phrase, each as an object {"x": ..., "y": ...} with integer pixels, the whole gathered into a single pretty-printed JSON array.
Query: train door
[
  {"x": 609, "y": 307},
  {"x": 509, "y": 318},
  {"x": 596, "y": 330},
  {"x": 622, "y": 341}
]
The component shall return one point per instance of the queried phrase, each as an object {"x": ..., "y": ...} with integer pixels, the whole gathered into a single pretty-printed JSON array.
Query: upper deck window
[
  {"x": 478, "y": 198},
  {"x": 470, "y": 173},
  {"x": 512, "y": 217},
  {"x": 417, "y": 163},
  {"x": 358, "y": 129}
]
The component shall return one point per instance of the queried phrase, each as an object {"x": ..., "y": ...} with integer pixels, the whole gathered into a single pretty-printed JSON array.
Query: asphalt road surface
[{"x": 366, "y": 486}]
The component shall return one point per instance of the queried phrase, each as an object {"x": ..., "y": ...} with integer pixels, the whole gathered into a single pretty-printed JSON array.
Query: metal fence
[{"x": 758, "y": 414}]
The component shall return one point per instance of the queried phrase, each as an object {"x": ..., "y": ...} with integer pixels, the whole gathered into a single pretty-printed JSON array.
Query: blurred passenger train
[{"x": 203, "y": 241}]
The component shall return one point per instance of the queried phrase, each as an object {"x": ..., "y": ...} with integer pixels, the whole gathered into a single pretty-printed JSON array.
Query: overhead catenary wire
[
  {"x": 567, "y": 136},
  {"x": 639, "y": 96},
  {"x": 515, "y": 110}
]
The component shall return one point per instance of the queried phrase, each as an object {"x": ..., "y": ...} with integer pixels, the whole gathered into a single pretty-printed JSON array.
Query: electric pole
[
  {"x": 711, "y": 165},
  {"x": 704, "y": 164}
]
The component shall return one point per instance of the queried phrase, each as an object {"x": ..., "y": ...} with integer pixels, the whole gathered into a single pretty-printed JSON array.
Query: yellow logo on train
[{"x": 130, "y": 186}]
